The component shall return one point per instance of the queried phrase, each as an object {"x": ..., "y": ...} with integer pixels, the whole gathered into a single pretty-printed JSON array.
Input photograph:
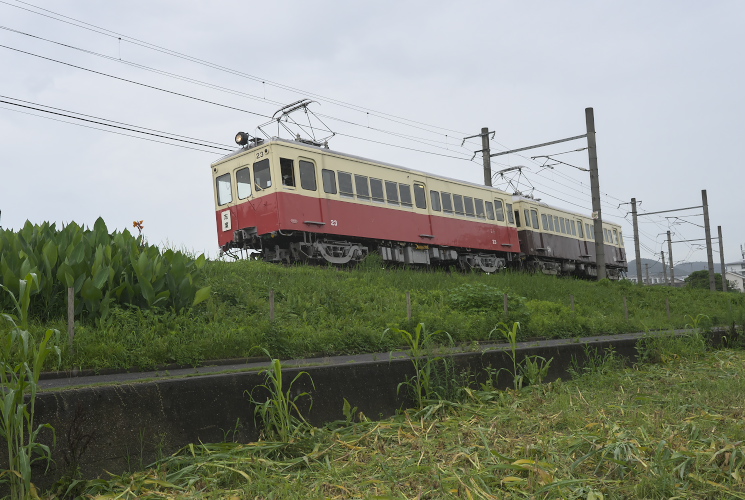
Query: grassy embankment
[
  {"x": 327, "y": 311},
  {"x": 672, "y": 428}
]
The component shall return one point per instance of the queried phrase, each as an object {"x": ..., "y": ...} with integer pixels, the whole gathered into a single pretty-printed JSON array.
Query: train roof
[{"x": 355, "y": 157}]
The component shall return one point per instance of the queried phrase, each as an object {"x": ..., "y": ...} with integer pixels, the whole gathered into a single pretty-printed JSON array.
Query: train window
[
  {"x": 405, "y": 191},
  {"x": 620, "y": 238},
  {"x": 563, "y": 228},
  {"x": 509, "y": 212},
  {"x": 527, "y": 217},
  {"x": 550, "y": 219},
  {"x": 345, "y": 185},
  {"x": 458, "y": 203},
  {"x": 544, "y": 221},
  {"x": 490, "y": 210},
  {"x": 615, "y": 236},
  {"x": 590, "y": 232},
  {"x": 224, "y": 189},
  {"x": 469, "y": 205},
  {"x": 376, "y": 190},
  {"x": 363, "y": 190},
  {"x": 447, "y": 203},
  {"x": 435, "y": 197},
  {"x": 287, "y": 171},
  {"x": 329, "y": 181},
  {"x": 517, "y": 217},
  {"x": 574, "y": 229},
  {"x": 480, "y": 208},
  {"x": 579, "y": 229},
  {"x": 534, "y": 218},
  {"x": 391, "y": 192},
  {"x": 556, "y": 224},
  {"x": 500, "y": 210},
  {"x": 307, "y": 175},
  {"x": 420, "y": 196},
  {"x": 262, "y": 175},
  {"x": 243, "y": 182}
]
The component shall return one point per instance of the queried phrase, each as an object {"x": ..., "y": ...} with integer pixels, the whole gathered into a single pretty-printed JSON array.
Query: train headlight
[{"x": 241, "y": 138}]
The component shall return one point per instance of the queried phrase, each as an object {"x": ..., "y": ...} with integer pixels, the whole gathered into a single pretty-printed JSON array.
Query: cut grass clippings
[{"x": 668, "y": 430}]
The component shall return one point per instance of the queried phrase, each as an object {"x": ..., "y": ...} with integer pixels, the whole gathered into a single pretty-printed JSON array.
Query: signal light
[{"x": 241, "y": 138}]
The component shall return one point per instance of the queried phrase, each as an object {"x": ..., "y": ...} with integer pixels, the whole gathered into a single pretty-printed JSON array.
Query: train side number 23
[{"x": 334, "y": 222}]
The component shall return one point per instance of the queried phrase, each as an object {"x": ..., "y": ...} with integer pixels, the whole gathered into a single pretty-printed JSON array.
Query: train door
[
  {"x": 309, "y": 206},
  {"x": 424, "y": 225},
  {"x": 241, "y": 212},
  {"x": 328, "y": 193}
]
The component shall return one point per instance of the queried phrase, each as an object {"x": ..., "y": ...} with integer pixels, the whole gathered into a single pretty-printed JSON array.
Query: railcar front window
[
  {"x": 287, "y": 171},
  {"x": 307, "y": 175},
  {"x": 435, "y": 197},
  {"x": 363, "y": 190},
  {"x": 510, "y": 217},
  {"x": 468, "y": 201},
  {"x": 534, "y": 217},
  {"x": 345, "y": 185},
  {"x": 458, "y": 202},
  {"x": 490, "y": 210},
  {"x": 391, "y": 192},
  {"x": 447, "y": 203},
  {"x": 500, "y": 210},
  {"x": 224, "y": 189},
  {"x": 329, "y": 181},
  {"x": 376, "y": 189},
  {"x": 243, "y": 182},
  {"x": 405, "y": 191},
  {"x": 262, "y": 175},
  {"x": 480, "y": 209},
  {"x": 420, "y": 196}
]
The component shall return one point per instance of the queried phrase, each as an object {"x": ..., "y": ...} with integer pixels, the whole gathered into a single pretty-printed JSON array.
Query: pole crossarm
[
  {"x": 687, "y": 241},
  {"x": 540, "y": 145},
  {"x": 666, "y": 211}
]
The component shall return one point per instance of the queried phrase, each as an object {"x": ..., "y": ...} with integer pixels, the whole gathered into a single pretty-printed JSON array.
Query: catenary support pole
[
  {"x": 637, "y": 251},
  {"x": 664, "y": 267},
  {"x": 721, "y": 259},
  {"x": 486, "y": 155},
  {"x": 670, "y": 258},
  {"x": 595, "y": 189},
  {"x": 709, "y": 252}
]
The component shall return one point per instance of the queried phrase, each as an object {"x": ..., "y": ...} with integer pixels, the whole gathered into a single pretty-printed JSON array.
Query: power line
[{"x": 108, "y": 131}]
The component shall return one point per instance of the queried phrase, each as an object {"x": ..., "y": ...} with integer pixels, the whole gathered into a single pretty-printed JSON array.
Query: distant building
[{"x": 735, "y": 272}]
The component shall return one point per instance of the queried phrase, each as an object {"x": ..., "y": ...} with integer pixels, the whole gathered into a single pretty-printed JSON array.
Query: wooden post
[
  {"x": 625, "y": 309},
  {"x": 71, "y": 314},
  {"x": 667, "y": 306},
  {"x": 408, "y": 305},
  {"x": 571, "y": 298},
  {"x": 506, "y": 304},
  {"x": 271, "y": 305}
]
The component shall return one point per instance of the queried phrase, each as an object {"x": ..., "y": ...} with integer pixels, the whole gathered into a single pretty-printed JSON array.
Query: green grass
[
  {"x": 327, "y": 311},
  {"x": 665, "y": 430}
]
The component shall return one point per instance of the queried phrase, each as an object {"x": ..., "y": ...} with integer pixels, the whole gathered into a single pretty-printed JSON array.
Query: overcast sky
[{"x": 665, "y": 80}]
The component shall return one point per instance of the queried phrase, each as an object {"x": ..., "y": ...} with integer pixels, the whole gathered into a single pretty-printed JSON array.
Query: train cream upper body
[
  {"x": 563, "y": 222},
  {"x": 354, "y": 179}
]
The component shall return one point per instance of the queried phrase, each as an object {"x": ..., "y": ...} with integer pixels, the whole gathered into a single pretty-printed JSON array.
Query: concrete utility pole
[
  {"x": 709, "y": 253},
  {"x": 646, "y": 267},
  {"x": 721, "y": 259},
  {"x": 486, "y": 155},
  {"x": 637, "y": 251},
  {"x": 595, "y": 189},
  {"x": 664, "y": 267},
  {"x": 670, "y": 257}
]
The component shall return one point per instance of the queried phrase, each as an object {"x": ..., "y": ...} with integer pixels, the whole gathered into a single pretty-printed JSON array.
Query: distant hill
[{"x": 655, "y": 268}]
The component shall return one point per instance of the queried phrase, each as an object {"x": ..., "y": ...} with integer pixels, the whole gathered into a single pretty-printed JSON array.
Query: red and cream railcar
[
  {"x": 555, "y": 241},
  {"x": 292, "y": 201}
]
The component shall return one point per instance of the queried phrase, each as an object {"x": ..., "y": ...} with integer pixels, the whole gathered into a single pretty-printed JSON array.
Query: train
[{"x": 290, "y": 201}]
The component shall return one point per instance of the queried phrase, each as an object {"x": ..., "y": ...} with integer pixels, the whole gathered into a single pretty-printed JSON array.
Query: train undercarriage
[{"x": 299, "y": 246}]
